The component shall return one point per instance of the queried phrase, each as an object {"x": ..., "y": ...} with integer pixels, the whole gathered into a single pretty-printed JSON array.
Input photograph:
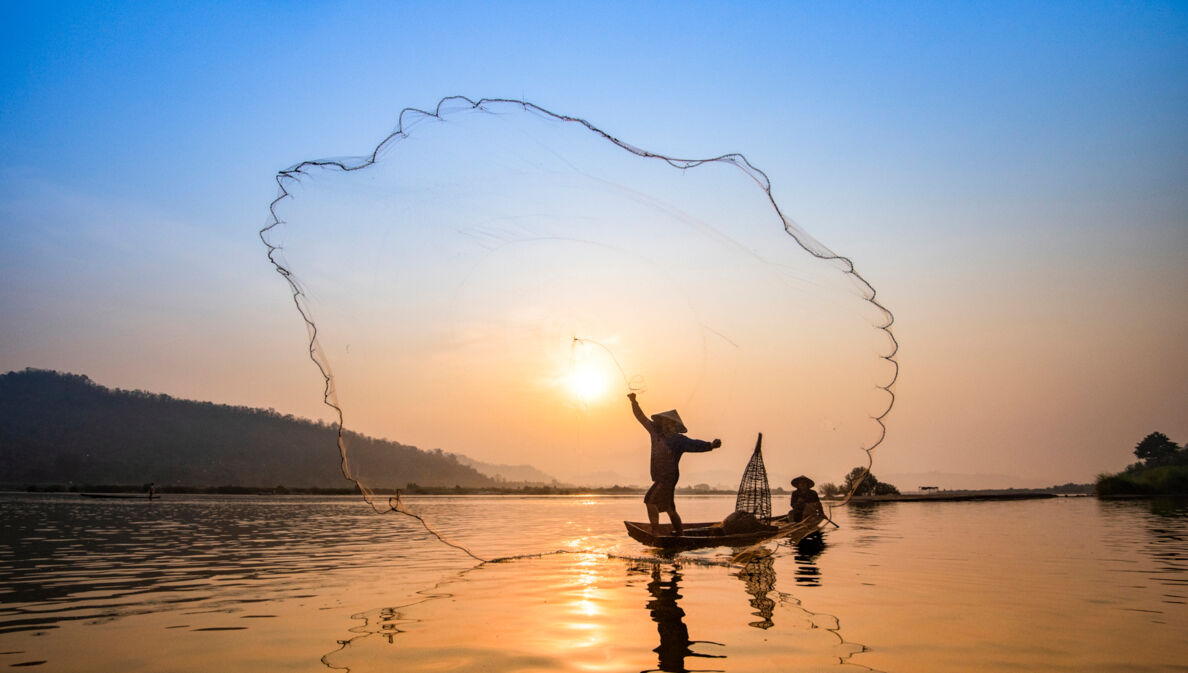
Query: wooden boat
[
  {"x": 710, "y": 534},
  {"x": 122, "y": 496}
]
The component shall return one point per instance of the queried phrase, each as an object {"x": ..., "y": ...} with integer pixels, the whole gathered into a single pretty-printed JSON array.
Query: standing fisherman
[{"x": 668, "y": 444}]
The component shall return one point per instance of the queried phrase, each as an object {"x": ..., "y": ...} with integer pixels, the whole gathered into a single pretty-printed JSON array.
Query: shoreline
[
  {"x": 944, "y": 496},
  {"x": 958, "y": 496}
]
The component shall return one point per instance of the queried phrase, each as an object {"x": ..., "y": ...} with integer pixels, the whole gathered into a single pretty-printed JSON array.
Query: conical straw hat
[
  {"x": 671, "y": 415},
  {"x": 803, "y": 478}
]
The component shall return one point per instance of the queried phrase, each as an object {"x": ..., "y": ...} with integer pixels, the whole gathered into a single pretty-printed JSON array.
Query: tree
[
  {"x": 830, "y": 490},
  {"x": 867, "y": 485},
  {"x": 1156, "y": 449},
  {"x": 870, "y": 485}
]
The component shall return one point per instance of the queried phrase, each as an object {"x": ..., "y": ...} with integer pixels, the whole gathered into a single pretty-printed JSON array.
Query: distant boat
[
  {"x": 123, "y": 496},
  {"x": 710, "y": 534}
]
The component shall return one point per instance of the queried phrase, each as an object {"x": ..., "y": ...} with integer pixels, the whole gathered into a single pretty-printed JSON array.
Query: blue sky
[{"x": 1012, "y": 177}]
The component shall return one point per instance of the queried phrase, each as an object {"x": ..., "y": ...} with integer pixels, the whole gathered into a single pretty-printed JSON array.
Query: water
[{"x": 198, "y": 583}]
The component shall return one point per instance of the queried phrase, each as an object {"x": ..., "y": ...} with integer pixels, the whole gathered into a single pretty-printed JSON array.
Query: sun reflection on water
[
  {"x": 584, "y": 607},
  {"x": 588, "y": 612}
]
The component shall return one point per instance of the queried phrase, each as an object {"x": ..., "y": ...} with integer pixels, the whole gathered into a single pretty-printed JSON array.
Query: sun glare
[{"x": 588, "y": 383}]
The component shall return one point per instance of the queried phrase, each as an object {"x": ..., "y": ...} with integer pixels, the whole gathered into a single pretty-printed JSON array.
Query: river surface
[{"x": 270, "y": 583}]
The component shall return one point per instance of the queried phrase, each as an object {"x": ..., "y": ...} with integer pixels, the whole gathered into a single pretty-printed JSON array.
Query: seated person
[{"x": 805, "y": 501}]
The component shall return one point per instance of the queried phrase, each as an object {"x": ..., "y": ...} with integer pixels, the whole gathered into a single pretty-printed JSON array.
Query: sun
[{"x": 587, "y": 382}]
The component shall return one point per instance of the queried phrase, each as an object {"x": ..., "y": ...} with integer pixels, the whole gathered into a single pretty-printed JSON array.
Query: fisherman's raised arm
[{"x": 639, "y": 414}]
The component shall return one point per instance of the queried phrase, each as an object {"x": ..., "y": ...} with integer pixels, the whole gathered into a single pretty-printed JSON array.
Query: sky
[{"x": 1010, "y": 177}]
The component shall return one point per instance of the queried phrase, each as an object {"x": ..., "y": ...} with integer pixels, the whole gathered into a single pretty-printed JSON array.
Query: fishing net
[
  {"x": 754, "y": 493},
  {"x": 484, "y": 287}
]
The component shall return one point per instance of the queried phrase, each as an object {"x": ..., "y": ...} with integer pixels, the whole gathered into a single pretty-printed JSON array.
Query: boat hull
[{"x": 707, "y": 534}]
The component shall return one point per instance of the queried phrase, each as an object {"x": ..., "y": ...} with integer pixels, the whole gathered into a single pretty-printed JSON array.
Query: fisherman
[
  {"x": 805, "y": 501},
  {"x": 668, "y": 444}
]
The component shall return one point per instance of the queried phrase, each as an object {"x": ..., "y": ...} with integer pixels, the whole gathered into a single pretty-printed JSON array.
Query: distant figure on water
[
  {"x": 805, "y": 501},
  {"x": 668, "y": 445}
]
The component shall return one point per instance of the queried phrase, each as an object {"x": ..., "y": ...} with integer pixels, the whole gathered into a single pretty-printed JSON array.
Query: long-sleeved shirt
[
  {"x": 667, "y": 451},
  {"x": 804, "y": 502}
]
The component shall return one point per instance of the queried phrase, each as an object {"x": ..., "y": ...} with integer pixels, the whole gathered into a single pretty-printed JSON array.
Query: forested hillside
[{"x": 63, "y": 428}]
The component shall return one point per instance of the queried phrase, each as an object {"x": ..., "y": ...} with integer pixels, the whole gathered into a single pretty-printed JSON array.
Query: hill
[
  {"x": 63, "y": 428},
  {"x": 524, "y": 474}
]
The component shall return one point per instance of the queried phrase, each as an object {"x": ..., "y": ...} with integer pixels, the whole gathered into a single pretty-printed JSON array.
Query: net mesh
[
  {"x": 484, "y": 286},
  {"x": 754, "y": 493}
]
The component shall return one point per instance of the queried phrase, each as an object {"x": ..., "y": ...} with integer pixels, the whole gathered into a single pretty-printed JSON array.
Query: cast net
[{"x": 483, "y": 289}]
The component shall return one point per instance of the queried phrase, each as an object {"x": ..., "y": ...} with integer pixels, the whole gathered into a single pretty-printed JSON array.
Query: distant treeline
[
  {"x": 870, "y": 485},
  {"x": 64, "y": 429},
  {"x": 1069, "y": 488},
  {"x": 1162, "y": 469},
  {"x": 409, "y": 489},
  {"x": 221, "y": 490}
]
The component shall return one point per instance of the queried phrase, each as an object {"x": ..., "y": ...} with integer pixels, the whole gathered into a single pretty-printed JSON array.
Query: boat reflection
[
  {"x": 807, "y": 551},
  {"x": 759, "y": 577},
  {"x": 675, "y": 644}
]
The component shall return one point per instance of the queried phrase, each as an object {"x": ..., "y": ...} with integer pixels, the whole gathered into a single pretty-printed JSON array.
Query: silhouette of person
[
  {"x": 668, "y": 445},
  {"x": 675, "y": 644},
  {"x": 807, "y": 551},
  {"x": 805, "y": 501}
]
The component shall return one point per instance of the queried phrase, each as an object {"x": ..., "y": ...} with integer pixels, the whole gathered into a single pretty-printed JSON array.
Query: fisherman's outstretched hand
[
  {"x": 631, "y": 396},
  {"x": 715, "y": 444}
]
